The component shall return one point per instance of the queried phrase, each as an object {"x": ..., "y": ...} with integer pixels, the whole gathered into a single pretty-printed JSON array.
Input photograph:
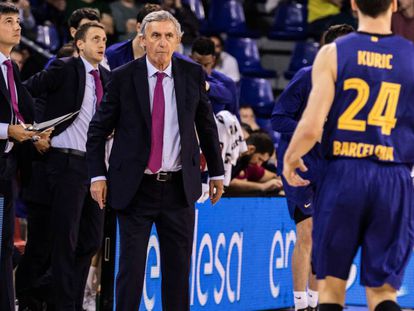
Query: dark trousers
[
  {"x": 164, "y": 204},
  {"x": 33, "y": 275},
  {"x": 77, "y": 226},
  {"x": 6, "y": 264},
  {"x": 32, "y": 282}
]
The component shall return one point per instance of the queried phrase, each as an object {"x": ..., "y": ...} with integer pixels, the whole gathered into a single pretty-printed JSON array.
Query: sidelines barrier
[
  {"x": 241, "y": 259},
  {"x": 1, "y": 222}
]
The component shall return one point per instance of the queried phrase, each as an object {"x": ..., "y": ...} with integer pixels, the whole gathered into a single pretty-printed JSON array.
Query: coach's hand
[
  {"x": 292, "y": 177},
  {"x": 19, "y": 133},
  {"x": 98, "y": 192},
  {"x": 216, "y": 190}
]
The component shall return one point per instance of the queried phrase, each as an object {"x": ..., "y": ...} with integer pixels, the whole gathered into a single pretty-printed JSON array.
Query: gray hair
[{"x": 159, "y": 16}]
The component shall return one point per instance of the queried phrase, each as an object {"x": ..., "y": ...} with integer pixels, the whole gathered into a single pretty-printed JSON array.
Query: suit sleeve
[
  {"x": 102, "y": 124},
  {"x": 219, "y": 92},
  {"x": 46, "y": 80},
  {"x": 290, "y": 104},
  {"x": 207, "y": 132}
]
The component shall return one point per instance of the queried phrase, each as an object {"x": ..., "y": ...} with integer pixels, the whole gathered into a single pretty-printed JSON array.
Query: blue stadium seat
[
  {"x": 303, "y": 55},
  {"x": 257, "y": 93},
  {"x": 197, "y": 7},
  {"x": 228, "y": 16},
  {"x": 48, "y": 37},
  {"x": 266, "y": 125},
  {"x": 247, "y": 54},
  {"x": 290, "y": 21}
]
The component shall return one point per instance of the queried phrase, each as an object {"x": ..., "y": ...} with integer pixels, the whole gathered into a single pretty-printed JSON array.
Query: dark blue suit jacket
[
  {"x": 126, "y": 108},
  {"x": 119, "y": 54},
  {"x": 222, "y": 93}
]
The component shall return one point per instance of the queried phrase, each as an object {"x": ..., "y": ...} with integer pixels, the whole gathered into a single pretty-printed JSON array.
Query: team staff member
[
  {"x": 72, "y": 84},
  {"x": 157, "y": 105}
]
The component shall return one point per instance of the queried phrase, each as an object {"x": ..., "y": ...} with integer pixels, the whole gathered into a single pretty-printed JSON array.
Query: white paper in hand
[{"x": 43, "y": 126}]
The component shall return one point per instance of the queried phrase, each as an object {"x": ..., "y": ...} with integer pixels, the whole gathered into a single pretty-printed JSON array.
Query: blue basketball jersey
[{"x": 372, "y": 115}]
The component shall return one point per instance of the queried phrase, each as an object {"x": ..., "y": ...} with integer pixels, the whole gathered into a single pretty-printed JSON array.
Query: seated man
[{"x": 249, "y": 175}]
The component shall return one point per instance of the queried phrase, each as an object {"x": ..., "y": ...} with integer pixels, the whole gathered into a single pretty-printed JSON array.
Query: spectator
[
  {"x": 225, "y": 63},
  {"x": 222, "y": 90},
  {"x": 52, "y": 12},
  {"x": 249, "y": 173},
  {"x": 403, "y": 20},
  {"x": 124, "y": 13},
  {"x": 247, "y": 117},
  {"x": 77, "y": 19},
  {"x": 324, "y": 13},
  {"x": 26, "y": 17},
  {"x": 103, "y": 9},
  {"x": 126, "y": 51},
  {"x": 81, "y": 16},
  {"x": 187, "y": 19}
]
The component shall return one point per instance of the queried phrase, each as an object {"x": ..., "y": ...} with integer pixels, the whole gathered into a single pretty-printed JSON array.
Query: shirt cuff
[
  {"x": 217, "y": 177},
  {"x": 97, "y": 178},
  {"x": 4, "y": 129}
]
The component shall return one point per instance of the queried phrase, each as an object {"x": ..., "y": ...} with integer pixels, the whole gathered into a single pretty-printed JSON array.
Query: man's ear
[{"x": 72, "y": 31}]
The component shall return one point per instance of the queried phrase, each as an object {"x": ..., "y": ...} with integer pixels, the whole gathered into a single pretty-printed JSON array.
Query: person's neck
[
  {"x": 137, "y": 49},
  {"x": 159, "y": 66},
  {"x": 92, "y": 62},
  {"x": 380, "y": 25},
  {"x": 5, "y": 50}
]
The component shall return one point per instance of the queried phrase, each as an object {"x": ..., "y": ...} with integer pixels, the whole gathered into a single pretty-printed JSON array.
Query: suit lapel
[
  {"x": 105, "y": 76},
  {"x": 80, "y": 70},
  {"x": 4, "y": 89},
  {"x": 140, "y": 78},
  {"x": 180, "y": 91}
]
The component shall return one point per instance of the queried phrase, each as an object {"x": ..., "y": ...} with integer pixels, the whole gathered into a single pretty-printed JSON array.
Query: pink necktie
[
  {"x": 12, "y": 90},
  {"x": 98, "y": 86},
  {"x": 157, "y": 127}
]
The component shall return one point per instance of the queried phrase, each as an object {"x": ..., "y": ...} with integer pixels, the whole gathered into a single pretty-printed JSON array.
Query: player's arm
[
  {"x": 286, "y": 110},
  {"x": 310, "y": 127}
]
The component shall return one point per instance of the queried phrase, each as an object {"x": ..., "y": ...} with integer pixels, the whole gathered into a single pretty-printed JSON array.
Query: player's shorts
[
  {"x": 369, "y": 204},
  {"x": 299, "y": 201}
]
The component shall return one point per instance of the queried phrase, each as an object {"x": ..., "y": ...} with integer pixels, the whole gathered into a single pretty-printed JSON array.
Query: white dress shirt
[
  {"x": 171, "y": 157},
  {"x": 171, "y": 151},
  {"x": 75, "y": 135}
]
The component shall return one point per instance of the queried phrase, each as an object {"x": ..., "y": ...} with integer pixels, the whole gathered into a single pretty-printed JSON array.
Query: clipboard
[{"x": 43, "y": 126}]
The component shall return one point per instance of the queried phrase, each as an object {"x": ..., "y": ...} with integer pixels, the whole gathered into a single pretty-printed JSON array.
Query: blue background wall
[{"x": 241, "y": 259}]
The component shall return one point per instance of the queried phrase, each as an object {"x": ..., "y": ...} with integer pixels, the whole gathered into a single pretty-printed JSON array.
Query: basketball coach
[{"x": 159, "y": 110}]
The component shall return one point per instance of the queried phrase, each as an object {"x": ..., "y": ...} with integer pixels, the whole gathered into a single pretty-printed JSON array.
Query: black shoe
[{"x": 313, "y": 309}]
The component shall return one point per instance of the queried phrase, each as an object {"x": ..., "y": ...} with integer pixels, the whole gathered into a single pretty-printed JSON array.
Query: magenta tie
[
  {"x": 157, "y": 127},
  {"x": 12, "y": 89},
  {"x": 98, "y": 86}
]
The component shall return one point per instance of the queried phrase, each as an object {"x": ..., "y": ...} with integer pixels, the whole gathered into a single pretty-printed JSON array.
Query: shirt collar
[
  {"x": 152, "y": 70},
  {"x": 88, "y": 66},
  {"x": 3, "y": 58}
]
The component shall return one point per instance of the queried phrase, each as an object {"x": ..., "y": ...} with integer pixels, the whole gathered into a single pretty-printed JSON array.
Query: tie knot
[
  {"x": 160, "y": 75},
  {"x": 94, "y": 73},
  {"x": 8, "y": 63}
]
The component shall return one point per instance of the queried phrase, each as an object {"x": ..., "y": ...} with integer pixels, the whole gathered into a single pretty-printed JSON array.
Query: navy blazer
[
  {"x": 25, "y": 103},
  {"x": 60, "y": 89},
  {"x": 126, "y": 108}
]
